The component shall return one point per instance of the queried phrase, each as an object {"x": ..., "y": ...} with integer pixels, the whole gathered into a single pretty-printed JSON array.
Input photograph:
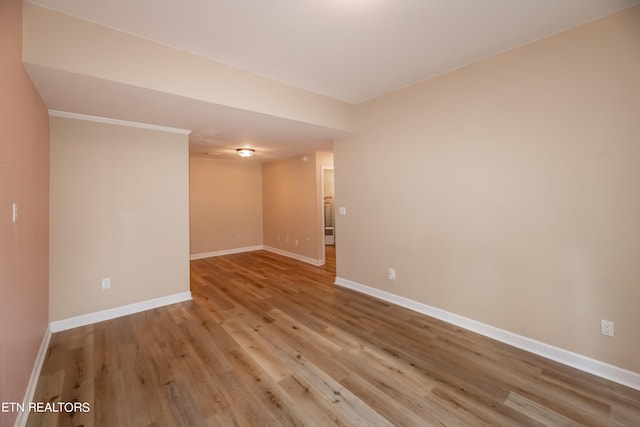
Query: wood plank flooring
[{"x": 269, "y": 341}]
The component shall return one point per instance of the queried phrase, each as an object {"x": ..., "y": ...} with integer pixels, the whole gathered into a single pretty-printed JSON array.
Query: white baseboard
[
  {"x": 23, "y": 416},
  {"x": 578, "y": 361},
  {"x": 308, "y": 260},
  {"x": 99, "y": 316},
  {"x": 226, "y": 252}
]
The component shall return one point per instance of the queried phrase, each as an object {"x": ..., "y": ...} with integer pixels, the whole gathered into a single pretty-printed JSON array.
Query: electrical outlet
[
  {"x": 106, "y": 283},
  {"x": 392, "y": 274},
  {"x": 607, "y": 328}
]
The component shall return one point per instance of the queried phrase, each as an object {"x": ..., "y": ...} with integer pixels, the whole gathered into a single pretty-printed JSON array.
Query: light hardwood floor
[{"x": 269, "y": 341}]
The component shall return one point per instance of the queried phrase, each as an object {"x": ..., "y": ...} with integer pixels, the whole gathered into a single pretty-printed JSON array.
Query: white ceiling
[{"x": 351, "y": 50}]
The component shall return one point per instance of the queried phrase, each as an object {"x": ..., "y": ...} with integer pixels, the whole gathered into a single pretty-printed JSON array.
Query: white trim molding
[
  {"x": 117, "y": 122},
  {"x": 578, "y": 361},
  {"x": 23, "y": 416},
  {"x": 226, "y": 252},
  {"x": 112, "y": 313},
  {"x": 308, "y": 260}
]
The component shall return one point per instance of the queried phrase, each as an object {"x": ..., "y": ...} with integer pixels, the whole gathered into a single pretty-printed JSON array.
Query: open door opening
[{"x": 329, "y": 208}]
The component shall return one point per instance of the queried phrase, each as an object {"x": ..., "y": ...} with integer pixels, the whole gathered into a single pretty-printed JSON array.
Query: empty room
[{"x": 322, "y": 212}]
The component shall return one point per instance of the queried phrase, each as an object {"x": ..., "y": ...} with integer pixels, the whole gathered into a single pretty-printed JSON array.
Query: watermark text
[{"x": 45, "y": 407}]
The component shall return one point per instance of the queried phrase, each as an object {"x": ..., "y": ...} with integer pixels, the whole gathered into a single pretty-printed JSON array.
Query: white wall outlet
[
  {"x": 106, "y": 283},
  {"x": 607, "y": 328},
  {"x": 392, "y": 274},
  {"x": 342, "y": 210}
]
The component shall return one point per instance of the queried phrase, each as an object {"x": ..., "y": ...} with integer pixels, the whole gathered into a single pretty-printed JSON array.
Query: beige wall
[
  {"x": 225, "y": 204},
  {"x": 507, "y": 191},
  {"x": 291, "y": 206},
  {"x": 24, "y": 179},
  {"x": 328, "y": 189},
  {"x": 119, "y": 209}
]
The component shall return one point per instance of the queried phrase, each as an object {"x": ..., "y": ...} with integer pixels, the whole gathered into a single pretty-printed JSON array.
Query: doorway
[{"x": 329, "y": 207}]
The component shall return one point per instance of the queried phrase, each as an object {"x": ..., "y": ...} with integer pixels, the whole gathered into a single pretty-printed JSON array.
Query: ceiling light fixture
[{"x": 245, "y": 152}]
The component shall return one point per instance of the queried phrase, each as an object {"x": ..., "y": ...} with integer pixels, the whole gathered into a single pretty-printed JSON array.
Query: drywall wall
[
  {"x": 119, "y": 210},
  {"x": 507, "y": 191},
  {"x": 24, "y": 180},
  {"x": 291, "y": 206},
  {"x": 328, "y": 184},
  {"x": 225, "y": 204}
]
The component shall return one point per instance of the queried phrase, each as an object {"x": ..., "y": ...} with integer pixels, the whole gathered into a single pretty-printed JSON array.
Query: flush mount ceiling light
[{"x": 245, "y": 152}]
